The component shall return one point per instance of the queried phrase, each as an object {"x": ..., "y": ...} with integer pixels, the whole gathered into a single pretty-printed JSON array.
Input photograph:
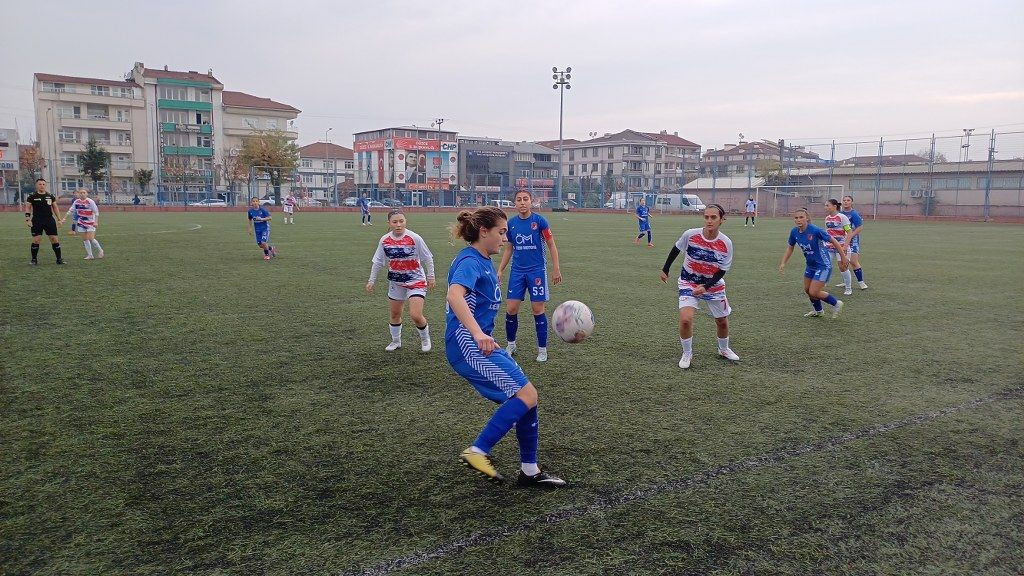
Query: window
[
  {"x": 71, "y": 184},
  {"x": 950, "y": 183},
  {"x": 572, "y": 154},
  {"x": 883, "y": 184},
  {"x": 1011, "y": 183},
  {"x": 611, "y": 152},
  {"x": 583, "y": 153},
  {"x": 593, "y": 167},
  {"x": 253, "y": 123},
  {"x": 174, "y": 116},
  {"x": 69, "y": 112},
  {"x": 101, "y": 186},
  {"x": 68, "y": 135},
  {"x": 99, "y": 90},
  {"x": 121, "y": 162},
  {"x": 271, "y": 123},
  {"x": 203, "y": 95},
  {"x": 173, "y": 93},
  {"x": 123, "y": 115},
  {"x": 349, "y": 165},
  {"x": 174, "y": 139},
  {"x": 98, "y": 113},
  {"x": 56, "y": 87},
  {"x": 68, "y": 159},
  {"x": 328, "y": 164},
  {"x": 572, "y": 169},
  {"x": 307, "y": 163},
  {"x": 202, "y": 117},
  {"x": 122, "y": 138},
  {"x": 124, "y": 92},
  {"x": 204, "y": 142}
]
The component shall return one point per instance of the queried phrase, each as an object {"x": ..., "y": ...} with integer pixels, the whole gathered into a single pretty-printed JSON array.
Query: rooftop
[
  {"x": 325, "y": 150},
  {"x": 243, "y": 100},
  {"x": 43, "y": 77}
]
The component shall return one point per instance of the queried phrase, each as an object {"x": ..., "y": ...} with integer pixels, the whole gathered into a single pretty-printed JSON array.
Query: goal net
[{"x": 784, "y": 199}]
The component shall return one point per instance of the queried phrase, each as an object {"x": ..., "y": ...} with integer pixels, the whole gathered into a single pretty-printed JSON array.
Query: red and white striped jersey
[{"x": 405, "y": 257}]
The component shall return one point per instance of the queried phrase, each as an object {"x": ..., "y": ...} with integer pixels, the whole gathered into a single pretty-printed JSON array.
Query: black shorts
[{"x": 48, "y": 227}]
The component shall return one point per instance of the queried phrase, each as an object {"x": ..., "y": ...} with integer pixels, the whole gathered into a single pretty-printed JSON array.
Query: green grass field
[{"x": 183, "y": 407}]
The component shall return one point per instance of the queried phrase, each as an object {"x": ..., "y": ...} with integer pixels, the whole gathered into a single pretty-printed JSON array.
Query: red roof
[
  {"x": 243, "y": 100},
  {"x": 325, "y": 150},
  {"x": 172, "y": 74},
  {"x": 42, "y": 77},
  {"x": 671, "y": 139}
]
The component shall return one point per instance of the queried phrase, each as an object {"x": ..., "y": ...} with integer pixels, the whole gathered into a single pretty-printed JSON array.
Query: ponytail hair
[
  {"x": 834, "y": 202},
  {"x": 470, "y": 222}
]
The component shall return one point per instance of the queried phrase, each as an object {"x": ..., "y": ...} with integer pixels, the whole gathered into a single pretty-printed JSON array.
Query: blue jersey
[
  {"x": 476, "y": 273},
  {"x": 527, "y": 236},
  {"x": 812, "y": 242},
  {"x": 364, "y": 204},
  {"x": 260, "y": 212},
  {"x": 855, "y": 219},
  {"x": 641, "y": 212}
]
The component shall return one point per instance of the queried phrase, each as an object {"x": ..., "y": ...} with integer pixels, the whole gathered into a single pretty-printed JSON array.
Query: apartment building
[
  {"x": 414, "y": 164},
  {"x": 71, "y": 110},
  {"x": 747, "y": 157},
  {"x": 325, "y": 171}
]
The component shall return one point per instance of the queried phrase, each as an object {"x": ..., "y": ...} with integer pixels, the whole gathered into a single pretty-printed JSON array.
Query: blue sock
[
  {"x": 511, "y": 326},
  {"x": 648, "y": 236},
  {"x": 266, "y": 251},
  {"x": 831, "y": 300},
  {"x": 860, "y": 275},
  {"x": 527, "y": 432},
  {"x": 816, "y": 304},
  {"x": 541, "y": 321},
  {"x": 504, "y": 418}
]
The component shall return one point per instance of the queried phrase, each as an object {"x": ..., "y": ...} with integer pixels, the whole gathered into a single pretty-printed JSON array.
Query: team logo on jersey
[
  {"x": 533, "y": 225},
  {"x": 524, "y": 239},
  {"x": 536, "y": 281},
  {"x": 810, "y": 236}
]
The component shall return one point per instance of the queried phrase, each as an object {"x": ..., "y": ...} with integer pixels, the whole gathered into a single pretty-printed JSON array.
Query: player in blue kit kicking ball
[
  {"x": 474, "y": 298},
  {"x": 259, "y": 226},
  {"x": 528, "y": 234}
]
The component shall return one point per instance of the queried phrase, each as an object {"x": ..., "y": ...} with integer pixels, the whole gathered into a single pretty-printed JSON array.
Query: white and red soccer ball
[{"x": 573, "y": 321}]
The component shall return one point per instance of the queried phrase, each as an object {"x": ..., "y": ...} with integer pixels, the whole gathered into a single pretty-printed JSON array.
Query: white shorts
[
  {"x": 718, "y": 308},
  {"x": 289, "y": 209},
  {"x": 84, "y": 227},
  {"x": 398, "y": 292}
]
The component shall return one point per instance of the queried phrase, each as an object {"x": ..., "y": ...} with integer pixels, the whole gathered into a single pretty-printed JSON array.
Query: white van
[
  {"x": 691, "y": 203},
  {"x": 679, "y": 203},
  {"x": 503, "y": 203}
]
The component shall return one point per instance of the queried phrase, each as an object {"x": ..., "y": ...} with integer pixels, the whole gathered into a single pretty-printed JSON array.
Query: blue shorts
[
  {"x": 496, "y": 377},
  {"x": 533, "y": 281},
  {"x": 818, "y": 274},
  {"x": 855, "y": 245},
  {"x": 645, "y": 226},
  {"x": 262, "y": 236}
]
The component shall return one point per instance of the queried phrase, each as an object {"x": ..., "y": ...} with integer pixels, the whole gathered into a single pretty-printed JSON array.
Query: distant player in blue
[
  {"x": 643, "y": 217},
  {"x": 526, "y": 232},
  {"x": 857, "y": 223},
  {"x": 812, "y": 241},
  {"x": 259, "y": 225},
  {"x": 474, "y": 298},
  {"x": 364, "y": 210}
]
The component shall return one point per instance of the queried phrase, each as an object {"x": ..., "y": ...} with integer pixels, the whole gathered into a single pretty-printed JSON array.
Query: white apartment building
[
  {"x": 321, "y": 166},
  {"x": 71, "y": 110}
]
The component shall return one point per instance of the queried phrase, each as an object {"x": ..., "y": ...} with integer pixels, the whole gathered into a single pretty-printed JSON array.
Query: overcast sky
[{"x": 709, "y": 70}]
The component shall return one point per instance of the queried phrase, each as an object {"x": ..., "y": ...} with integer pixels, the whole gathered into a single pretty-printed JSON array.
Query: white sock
[
  {"x": 687, "y": 344},
  {"x": 847, "y": 278},
  {"x": 477, "y": 450},
  {"x": 530, "y": 468},
  {"x": 723, "y": 343},
  {"x": 88, "y": 248},
  {"x": 96, "y": 243},
  {"x": 424, "y": 332},
  {"x": 396, "y": 332}
]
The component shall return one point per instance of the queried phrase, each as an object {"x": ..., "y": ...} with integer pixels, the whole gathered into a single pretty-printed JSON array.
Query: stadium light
[{"x": 561, "y": 78}]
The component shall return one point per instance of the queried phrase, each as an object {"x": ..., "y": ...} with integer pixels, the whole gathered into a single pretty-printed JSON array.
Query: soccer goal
[{"x": 785, "y": 199}]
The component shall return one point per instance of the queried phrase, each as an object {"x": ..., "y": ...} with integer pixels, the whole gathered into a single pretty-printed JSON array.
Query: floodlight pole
[{"x": 561, "y": 78}]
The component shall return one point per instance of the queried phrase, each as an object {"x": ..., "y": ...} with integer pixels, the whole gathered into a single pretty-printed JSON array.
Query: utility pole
[
  {"x": 440, "y": 160},
  {"x": 561, "y": 78}
]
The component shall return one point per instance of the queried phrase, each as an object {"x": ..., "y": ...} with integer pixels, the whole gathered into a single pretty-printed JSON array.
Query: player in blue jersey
[
  {"x": 259, "y": 225},
  {"x": 474, "y": 298},
  {"x": 854, "y": 240},
  {"x": 643, "y": 217},
  {"x": 529, "y": 272},
  {"x": 812, "y": 241},
  {"x": 364, "y": 210}
]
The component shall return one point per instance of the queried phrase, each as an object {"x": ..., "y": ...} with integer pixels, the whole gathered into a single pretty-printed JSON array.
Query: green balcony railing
[
  {"x": 184, "y": 105},
  {"x": 189, "y": 128},
  {"x": 187, "y": 151}
]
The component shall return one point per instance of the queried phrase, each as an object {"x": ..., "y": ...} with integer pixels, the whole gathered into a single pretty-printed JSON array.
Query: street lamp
[
  {"x": 437, "y": 122},
  {"x": 327, "y": 155},
  {"x": 561, "y": 78}
]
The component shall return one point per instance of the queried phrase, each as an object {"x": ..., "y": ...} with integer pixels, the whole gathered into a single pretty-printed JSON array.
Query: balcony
[
  {"x": 187, "y": 151},
  {"x": 94, "y": 121},
  {"x": 187, "y": 175},
  {"x": 184, "y": 105},
  {"x": 186, "y": 128}
]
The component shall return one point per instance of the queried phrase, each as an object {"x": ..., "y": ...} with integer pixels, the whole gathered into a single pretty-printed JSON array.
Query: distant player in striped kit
[
  {"x": 406, "y": 255},
  {"x": 528, "y": 234},
  {"x": 812, "y": 241},
  {"x": 289, "y": 208},
  {"x": 708, "y": 256},
  {"x": 85, "y": 215},
  {"x": 838, "y": 226},
  {"x": 474, "y": 298}
]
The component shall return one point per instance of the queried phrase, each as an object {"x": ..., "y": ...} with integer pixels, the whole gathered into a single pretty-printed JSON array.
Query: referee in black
[{"x": 42, "y": 216}]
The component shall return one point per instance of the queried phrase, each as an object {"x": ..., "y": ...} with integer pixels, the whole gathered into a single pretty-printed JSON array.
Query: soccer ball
[{"x": 573, "y": 321}]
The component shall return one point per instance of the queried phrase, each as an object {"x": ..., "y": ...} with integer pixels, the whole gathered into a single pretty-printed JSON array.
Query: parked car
[
  {"x": 375, "y": 204},
  {"x": 267, "y": 200},
  {"x": 503, "y": 203},
  {"x": 310, "y": 202},
  {"x": 350, "y": 201},
  {"x": 392, "y": 202},
  {"x": 210, "y": 202}
]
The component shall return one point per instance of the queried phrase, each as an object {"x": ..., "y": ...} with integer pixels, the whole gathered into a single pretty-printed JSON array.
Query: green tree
[
  {"x": 31, "y": 165},
  {"x": 772, "y": 173},
  {"x": 272, "y": 153},
  {"x": 143, "y": 177},
  {"x": 94, "y": 162},
  {"x": 940, "y": 158}
]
